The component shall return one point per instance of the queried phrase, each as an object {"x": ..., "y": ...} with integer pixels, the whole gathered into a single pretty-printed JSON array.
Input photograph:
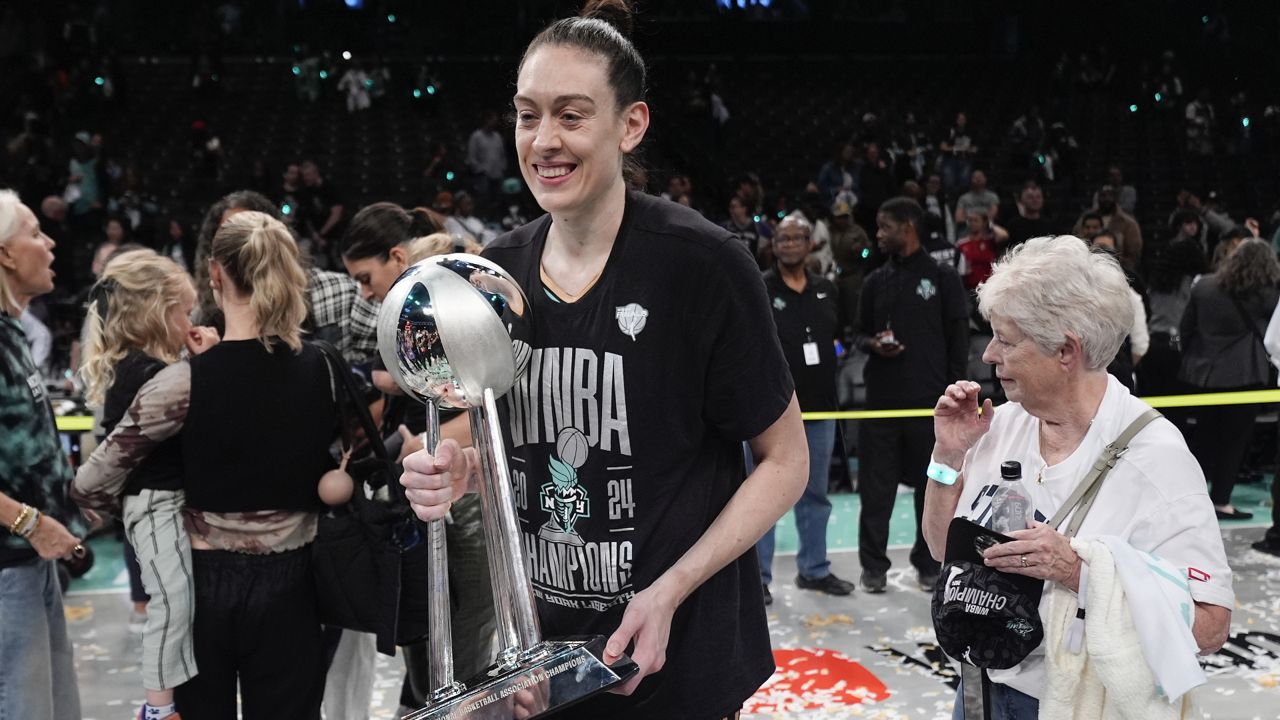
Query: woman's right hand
[
  {"x": 433, "y": 482},
  {"x": 957, "y": 422},
  {"x": 52, "y": 540}
]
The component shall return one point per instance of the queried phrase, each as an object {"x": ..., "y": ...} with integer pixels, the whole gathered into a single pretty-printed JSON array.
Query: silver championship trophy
[{"x": 450, "y": 333}]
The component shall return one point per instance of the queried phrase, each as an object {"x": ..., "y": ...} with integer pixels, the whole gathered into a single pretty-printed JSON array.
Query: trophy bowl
[{"x": 443, "y": 339}]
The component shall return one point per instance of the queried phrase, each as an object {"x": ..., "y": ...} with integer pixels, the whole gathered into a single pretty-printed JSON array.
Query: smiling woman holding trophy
[{"x": 650, "y": 358}]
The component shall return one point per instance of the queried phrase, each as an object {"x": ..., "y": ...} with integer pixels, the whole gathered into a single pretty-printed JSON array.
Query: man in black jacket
[{"x": 913, "y": 323}]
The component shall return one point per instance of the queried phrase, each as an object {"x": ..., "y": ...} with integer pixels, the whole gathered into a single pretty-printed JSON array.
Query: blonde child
[{"x": 139, "y": 323}]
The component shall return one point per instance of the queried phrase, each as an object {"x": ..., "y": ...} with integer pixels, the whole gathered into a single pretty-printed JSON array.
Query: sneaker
[
  {"x": 830, "y": 584},
  {"x": 1270, "y": 548},
  {"x": 927, "y": 579},
  {"x": 874, "y": 583},
  {"x": 137, "y": 622},
  {"x": 768, "y": 596},
  {"x": 142, "y": 714}
]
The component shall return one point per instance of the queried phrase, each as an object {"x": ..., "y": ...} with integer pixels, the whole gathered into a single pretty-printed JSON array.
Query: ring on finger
[{"x": 1023, "y": 561}]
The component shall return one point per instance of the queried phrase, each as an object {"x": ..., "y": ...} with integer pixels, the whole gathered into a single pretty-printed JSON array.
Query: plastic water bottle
[{"x": 1011, "y": 507}]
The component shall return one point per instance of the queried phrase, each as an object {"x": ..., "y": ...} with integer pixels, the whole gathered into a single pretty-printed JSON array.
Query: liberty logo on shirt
[
  {"x": 926, "y": 289},
  {"x": 563, "y": 497},
  {"x": 631, "y": 319}
]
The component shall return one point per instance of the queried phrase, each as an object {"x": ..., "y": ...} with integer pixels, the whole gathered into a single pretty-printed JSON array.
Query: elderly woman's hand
[
  {"x": 957, "y": 423},
  {"x": 1039, "y": 552}
]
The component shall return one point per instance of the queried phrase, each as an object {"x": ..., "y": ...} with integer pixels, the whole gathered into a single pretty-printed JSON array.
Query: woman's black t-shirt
[{"x": 626, "y": 443}]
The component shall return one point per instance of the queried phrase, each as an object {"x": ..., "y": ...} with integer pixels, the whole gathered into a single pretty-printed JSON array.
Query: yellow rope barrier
[
  {"x": 1163, "y": 401},
  {"x": 84, "y": 423}
]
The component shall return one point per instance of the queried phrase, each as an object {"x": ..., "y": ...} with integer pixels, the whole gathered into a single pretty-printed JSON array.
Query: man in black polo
[
  {"x": 806, "y": 313},
  {"x": 912, "y": 321}
]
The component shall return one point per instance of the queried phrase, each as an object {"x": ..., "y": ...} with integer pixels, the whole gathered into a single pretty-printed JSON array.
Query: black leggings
[
  {"x": 1220, "y": 442},
  {"x": 256, "y": 623}
]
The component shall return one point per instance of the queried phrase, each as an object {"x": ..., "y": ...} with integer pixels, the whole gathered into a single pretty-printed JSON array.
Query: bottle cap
[{"x": 1010, "y": 470}]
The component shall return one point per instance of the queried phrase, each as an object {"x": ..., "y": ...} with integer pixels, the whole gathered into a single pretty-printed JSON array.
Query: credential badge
[{"x": 631, "y": 319}]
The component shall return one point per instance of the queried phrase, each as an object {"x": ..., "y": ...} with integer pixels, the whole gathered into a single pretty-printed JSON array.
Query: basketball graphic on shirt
[
  {"x": 571, "y": 447},
  {"x": 564, "y": 497}
]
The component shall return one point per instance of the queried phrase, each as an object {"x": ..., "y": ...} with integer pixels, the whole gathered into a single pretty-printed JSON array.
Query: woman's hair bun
[
  {"x": 615, "y": 12},
  {"x": 422, "y": 223}
]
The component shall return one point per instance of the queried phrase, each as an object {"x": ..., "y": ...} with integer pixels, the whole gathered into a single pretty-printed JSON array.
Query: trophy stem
[
  {"x": 441, "y": 658},
  {"x": 500, "y": 564},
  {"x": 521, "y": 592}
]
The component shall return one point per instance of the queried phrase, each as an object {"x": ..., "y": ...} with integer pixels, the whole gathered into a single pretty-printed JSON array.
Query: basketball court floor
[{"x": 862, "y": 656}]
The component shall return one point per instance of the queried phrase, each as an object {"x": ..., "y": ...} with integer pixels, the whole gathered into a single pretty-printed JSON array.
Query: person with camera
[{"x": 913, "y": 322}]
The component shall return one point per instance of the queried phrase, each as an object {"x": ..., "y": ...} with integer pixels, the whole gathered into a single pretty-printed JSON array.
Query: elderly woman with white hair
[
  {"x": 37, "y": 675},
  {"x": 1059, "y": 313}
]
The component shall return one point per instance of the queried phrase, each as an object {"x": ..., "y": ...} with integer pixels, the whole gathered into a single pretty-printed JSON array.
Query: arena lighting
[
  {"x": 866, "y": 253},
  {"x": 1159, "y": 97},
  {"x": 449, "y": 176},
  {"x": 782, "y": 214},
  {"x": 99, "y": 81},
  {"x": 417, "y": 93},
  {"x": 1133, "y": 108},
  {"x": 391, "y": 18},
  {"x": 324, "y": 74},
  {"x": 1204, "y": 19},
  {"x": 297, "y": 70},
  {"x": 285, "y": 209},
  {"x": 756, "y": 218},
  {"x": 1244, "y": 122},
  {"x": 346, "y": 54},
  {"x": 431, "y": 89}
]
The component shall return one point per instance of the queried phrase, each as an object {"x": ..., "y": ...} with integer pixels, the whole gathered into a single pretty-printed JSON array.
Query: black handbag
[{"x": 369, "y": 558}]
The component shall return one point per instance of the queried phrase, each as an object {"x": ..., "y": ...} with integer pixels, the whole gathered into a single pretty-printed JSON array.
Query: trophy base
[{"x": 550, "y": 676}]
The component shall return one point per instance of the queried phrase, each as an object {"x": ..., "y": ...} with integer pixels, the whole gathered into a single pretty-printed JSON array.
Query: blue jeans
[
  {"x": 813, "y": 510},
  {"x": 37, "y": 674},
  {"x": 1006, "y": 704},
  {"x": 955, "y": 178}
]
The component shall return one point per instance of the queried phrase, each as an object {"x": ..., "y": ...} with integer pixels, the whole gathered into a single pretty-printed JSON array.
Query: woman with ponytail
[
  {"x": 381, "y": 242},
  {"x": 336, "y": 312},
  {"x": 659, "y": 322},
  {"x": 375, "y": 246},
  {"x": 139, "y": 323},
  {"x": 256, "y": 417}
]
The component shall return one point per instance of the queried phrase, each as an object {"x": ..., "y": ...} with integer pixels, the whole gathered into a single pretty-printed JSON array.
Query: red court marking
[{"x": 812, "y": 679}]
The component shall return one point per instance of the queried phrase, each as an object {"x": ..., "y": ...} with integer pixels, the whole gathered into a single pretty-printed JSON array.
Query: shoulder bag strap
[
  {"x": 1081, "y": 500},
  {"x": 1244, "y": 315},
  {"x": 347, "y": 389}
]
